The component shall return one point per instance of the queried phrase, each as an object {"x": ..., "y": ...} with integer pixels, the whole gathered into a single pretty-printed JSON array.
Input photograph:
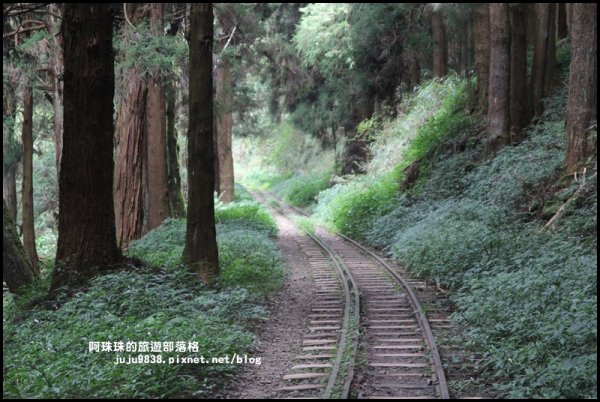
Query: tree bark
[
  {"x": 413, "y": 69},
  {"x": 130, "y": 159},
  {"x": 569, "y": 13},
  {"x": 440, "y": 45},
  {"x": 562, "y": 28},
  {"x": 200, "y": 252},
  {"x": 463, "y": 45},
  {"x": 551, "y": 51},
  {"x": 16, "y": 268},
  {"x": 57, "y": 90},
  {"x": 224, "y": 96},
  {"x": 158, "y": 194},
  {"x": 482, "y": 53},
  {"x": 27, "y": 184},
  {"x": 538, "y": 74},
  {"x": 11, "y": 151},
  {"x": 9, "y": 187},
  {"x": 583, "y": 80},
  {"x": 86, "y": 226},
  {"x": 176, "y": 202},
  {"x": 499, "y": 90},
  {"x": 519, "y": 105}
]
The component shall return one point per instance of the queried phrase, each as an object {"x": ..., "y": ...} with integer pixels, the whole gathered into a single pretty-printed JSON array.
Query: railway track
[
  {"x": 324, "y": 368},
  {"x": 388, "y": 333}
]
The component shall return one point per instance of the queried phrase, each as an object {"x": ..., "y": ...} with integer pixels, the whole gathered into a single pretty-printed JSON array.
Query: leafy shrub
[
  {"x": 46, "y": 354},
  {"x": 301, "y": 190},
  {"x": 447, "y": 122},
  {"x": 248, "y": 214},
  {"x": 451, "y": 240},
  {"x": 249, "y": 259},
  {"x": 535, "y": 317},
  {"x": 352, "y": 208},
  {"x": 163, "y": 246},
  {"x": 517, "y": 173},
  {"x": 437, "y": 104}
]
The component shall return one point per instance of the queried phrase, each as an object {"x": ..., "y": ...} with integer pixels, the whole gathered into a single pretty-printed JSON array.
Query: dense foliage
[
  {"x": 528, "y": 296},
  {"x": 46, "y": 350}
]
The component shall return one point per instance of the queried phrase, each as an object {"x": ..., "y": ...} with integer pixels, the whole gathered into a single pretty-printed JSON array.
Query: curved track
[{"x": 396, "y": 347}]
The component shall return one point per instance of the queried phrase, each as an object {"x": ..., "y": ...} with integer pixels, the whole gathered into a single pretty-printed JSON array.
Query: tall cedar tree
[
  {"x": 130, "y": 139},
  {"x": 27, "y": 185},
  {"x": 140, "y": 189},
  {"x": 519, "y": 102},
  {"x": 481, "y": 17},
  {"x": 499, "y": 86},
  {"x": 200, "y": 252},
  {"x": 158, "y": 195},
  {"x": 57, "y": 82},
  {"x": 440, "y": 45},
  {"x": 176, "y": 201},
  {"x": 224, "y": 119},
  {"x": 540, "y": 56},
  {"x": 583, "y": 80},
  {"x": 10, "y": 148},
  {"x": 16, "y": 269},
  {"x": 86, "y": 224}
]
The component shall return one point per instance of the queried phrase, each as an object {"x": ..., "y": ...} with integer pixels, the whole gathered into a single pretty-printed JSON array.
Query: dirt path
[{"x": 279, "y": 338}]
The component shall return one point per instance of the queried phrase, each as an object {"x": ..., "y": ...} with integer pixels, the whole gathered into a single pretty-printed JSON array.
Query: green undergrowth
[
  {"x": 292, "y": 164},
  {"x": 46, "y": 351},
  {"x": 525, "y": 294},
  {"x": 434, "y": 114},
  {"x": 301, "y": 190}
]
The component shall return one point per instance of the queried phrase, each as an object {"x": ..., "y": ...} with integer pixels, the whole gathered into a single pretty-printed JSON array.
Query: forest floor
[{"x": 279, "y": 337}]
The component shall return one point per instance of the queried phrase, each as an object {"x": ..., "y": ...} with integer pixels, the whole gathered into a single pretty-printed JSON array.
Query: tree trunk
[
  {"x": 16, "y": 268},
  {"x": 413, "y": 69},
  {"x": 224, "y": 96},
  {"x": 519, "y": 106},
  {"x": 538, "y": 74},
  {"x": 11, "y": 150},
  {"x": 9, "y": 187},
  {"x": 569, "y": 13},
  {"x": 562, "y": 29},
  {"x": 200, "y": 251},
  {"x": 57, "y": 90},
  {"x": 482, "y": 53},
  {"x": 470, "y": 46},
  {"x": 551, "y": 51},
  {"x": 130, "y": 159},
  {"x": 176, "y": 202},
  {"x": 499, "y": 91},
  {"x": 158, "y": 194},
  {"x": 27, "y": 188},
  {"x": 464, "y": 44},
  {"x": 440, "y": 45},
  {"x": 583, "y": 80},
  {"x": 86, "y": 225},
  {"x": 216, "y": 167}
]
